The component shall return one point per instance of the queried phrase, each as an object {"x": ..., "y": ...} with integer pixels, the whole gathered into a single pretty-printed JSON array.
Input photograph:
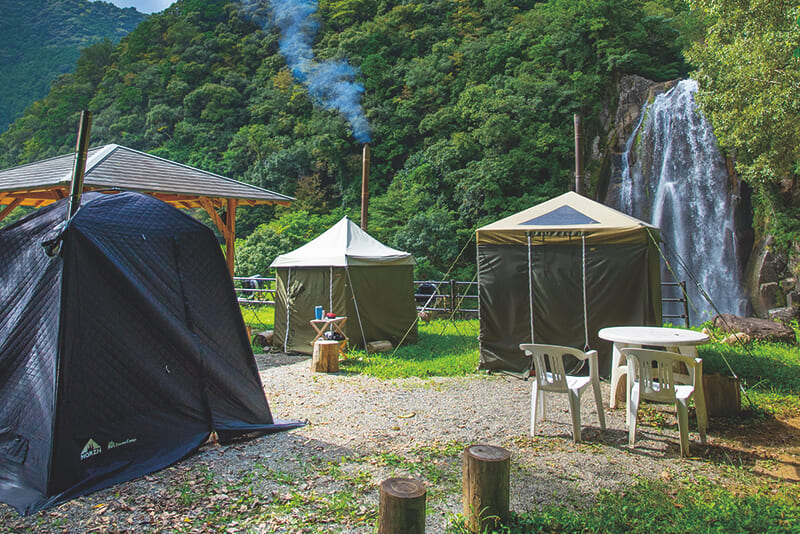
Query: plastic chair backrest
[
  {"x": 548, "y": 363},
  {"x": 655, "y": 372}
]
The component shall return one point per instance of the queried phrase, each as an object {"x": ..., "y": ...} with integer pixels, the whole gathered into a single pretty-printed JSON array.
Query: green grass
[
  {"x": 444, "y": 348},
  {"x": 669, "y": 507},
  {"x": 769, "y": 372},
  {"x": 258, "y": 317}
]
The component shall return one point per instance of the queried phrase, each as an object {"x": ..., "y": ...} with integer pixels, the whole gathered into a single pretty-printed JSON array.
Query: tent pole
[
  {"x": 355, "y": 302},
  {"x": 578, "y": 123},
  {"x": 530, "y": 283},
  {"x": 585, "y": 313},
  {"x": 79, "y": 169},
  {"x": 288, "y": 309}
]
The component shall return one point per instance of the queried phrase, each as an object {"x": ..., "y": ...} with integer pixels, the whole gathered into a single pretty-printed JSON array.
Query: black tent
[{"x": 122, "y": 348}]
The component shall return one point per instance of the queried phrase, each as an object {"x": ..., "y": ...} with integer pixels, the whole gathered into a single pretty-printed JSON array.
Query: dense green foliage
[
  {"x": 470, "y": 104},
  {"x": 42, "y": 39},
  {"x": 749, "y": 79}
]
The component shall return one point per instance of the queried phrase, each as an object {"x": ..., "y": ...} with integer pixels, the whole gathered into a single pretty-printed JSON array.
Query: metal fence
[{"x": 449, "y": 296}]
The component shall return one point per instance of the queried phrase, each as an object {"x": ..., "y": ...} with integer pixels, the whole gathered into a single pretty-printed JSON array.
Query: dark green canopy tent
[{"x": 560, "y": 271}]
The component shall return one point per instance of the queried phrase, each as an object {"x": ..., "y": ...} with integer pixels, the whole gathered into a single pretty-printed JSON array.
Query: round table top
[{"x": 652, "y": 335}]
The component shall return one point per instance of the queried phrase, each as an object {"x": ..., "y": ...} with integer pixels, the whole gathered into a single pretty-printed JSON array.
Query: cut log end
[
  {"x": 402, "y": 506},
  {"x": 325, "y": 358}
]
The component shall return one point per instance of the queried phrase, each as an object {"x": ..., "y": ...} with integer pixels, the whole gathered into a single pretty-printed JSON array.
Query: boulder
[
  {"x": 785, "y": 315},
  {"x": 757, "y": 329},
  {"x": 738, "y": 337}
]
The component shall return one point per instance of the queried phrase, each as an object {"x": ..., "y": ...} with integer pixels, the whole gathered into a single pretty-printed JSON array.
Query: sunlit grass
[
  {"x": 445, "y": 348},
  {"x": 648, "y": 506},
  {"x": 258, "y": 317},
  {"x": 769, "y": 372}
]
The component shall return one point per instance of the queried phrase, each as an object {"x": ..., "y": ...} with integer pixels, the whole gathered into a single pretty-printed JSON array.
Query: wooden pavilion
[{"x": 115, "y": 168}]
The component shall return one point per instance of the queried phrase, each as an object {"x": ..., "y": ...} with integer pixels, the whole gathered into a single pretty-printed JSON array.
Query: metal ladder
[{"x": 680, "y": 298}]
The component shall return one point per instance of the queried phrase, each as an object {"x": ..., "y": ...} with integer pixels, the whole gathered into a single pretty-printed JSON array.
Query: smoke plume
[{"x": 330, "y": 83}]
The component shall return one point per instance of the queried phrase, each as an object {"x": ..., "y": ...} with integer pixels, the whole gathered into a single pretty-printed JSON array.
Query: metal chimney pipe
[
  {"x": 81, "y": 149},
  {"x": 578, "y": 154},
  {"x": 364, "y": 187}
]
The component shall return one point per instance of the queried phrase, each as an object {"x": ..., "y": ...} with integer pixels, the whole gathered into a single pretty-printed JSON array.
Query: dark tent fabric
[
  {"x": 120, "y": 353},
  {"x": 557, "y": 273}
]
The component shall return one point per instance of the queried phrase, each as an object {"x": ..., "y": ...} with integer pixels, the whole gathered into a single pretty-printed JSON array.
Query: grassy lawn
[{"x": 444, "y": 348}]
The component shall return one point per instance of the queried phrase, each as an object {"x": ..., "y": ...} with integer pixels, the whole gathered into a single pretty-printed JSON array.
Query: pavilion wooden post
[
  {"x": 230, "y": 235},
  {"x": 226, "y": 227},
  {"x": 8, "y": 209},
  {"x": 486, "y": 481},
  {"x": 402, "y": 506}
]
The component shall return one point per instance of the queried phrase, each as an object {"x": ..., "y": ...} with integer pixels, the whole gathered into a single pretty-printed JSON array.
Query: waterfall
[{"x": 674, "y": 177}]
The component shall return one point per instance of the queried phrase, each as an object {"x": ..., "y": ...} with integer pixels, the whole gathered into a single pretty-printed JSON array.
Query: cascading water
[{"x": 674, "y": 176}]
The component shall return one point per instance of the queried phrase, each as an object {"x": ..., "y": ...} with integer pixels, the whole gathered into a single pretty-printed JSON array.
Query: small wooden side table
[{"x": 334, "y": 324}]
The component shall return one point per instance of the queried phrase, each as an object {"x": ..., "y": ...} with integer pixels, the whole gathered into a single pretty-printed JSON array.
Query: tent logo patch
[
  {"x": 90, "y": 449},
  {"x": 114, "y": 444}
]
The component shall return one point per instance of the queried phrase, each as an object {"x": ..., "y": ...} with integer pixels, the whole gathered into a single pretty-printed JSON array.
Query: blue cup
[{"x": 318, "y": 312}]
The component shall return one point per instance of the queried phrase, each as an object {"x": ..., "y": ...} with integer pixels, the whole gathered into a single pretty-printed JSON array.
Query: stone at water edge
[{"x": 757, "y": 329}]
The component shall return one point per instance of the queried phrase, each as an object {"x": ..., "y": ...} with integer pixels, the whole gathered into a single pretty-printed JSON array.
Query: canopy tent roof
[
  {"x": 115, "y": 168},
  {"x": 564, "y": 218},
  {"x": 343, "y": 244}
]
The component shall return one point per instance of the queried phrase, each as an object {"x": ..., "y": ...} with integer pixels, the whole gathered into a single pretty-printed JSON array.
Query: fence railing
[
  {"x": 451, "y": 296},
  {"x": 255, "y": 289}
]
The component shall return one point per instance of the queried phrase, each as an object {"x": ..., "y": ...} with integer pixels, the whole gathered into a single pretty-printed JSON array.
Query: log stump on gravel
[
  {"x": 402, "y": 506},
  {"x": 486, "y": 473},
  {"x": 325, "y": 358}
]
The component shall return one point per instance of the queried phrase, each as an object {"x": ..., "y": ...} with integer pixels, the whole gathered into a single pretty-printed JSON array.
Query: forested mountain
[
  {"x": 469, "y": 104},
  {"x": 41, "y": 39}
]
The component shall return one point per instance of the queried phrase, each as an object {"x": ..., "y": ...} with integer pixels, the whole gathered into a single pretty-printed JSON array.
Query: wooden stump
[
  {"x": 402, "y": 506},
  {"x": 485, "y": 486},
  {"x": 325, "y": 358},
  {"x": 722, "y": 394},
  {"x": 379, "y": 346}
]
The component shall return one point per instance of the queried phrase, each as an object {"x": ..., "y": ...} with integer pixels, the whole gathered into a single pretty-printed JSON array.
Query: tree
[{"x": 749, "y": 82}]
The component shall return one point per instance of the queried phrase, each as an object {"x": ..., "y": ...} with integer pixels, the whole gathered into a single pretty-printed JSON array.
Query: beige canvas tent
[
  {"x": 560, "y": 271},
  {"x": 351, "y": 274}
]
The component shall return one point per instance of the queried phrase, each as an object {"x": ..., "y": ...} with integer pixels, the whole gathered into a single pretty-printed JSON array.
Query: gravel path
[{"x": 369, "y": 429}]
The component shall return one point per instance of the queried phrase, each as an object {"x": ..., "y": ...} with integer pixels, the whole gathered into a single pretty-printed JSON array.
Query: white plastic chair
[
  {"x": 548, "y": 363},
  {"x": 652, "y": 376}
]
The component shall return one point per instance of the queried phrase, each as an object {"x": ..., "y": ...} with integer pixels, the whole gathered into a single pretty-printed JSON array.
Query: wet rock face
[{"x": 770, "y": 285}]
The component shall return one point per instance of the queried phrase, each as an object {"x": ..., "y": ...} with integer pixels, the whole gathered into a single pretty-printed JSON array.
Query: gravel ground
[{"x": 362, "y": 430}]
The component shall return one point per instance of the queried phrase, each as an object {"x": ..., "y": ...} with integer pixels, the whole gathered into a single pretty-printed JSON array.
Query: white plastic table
[{"x": 672, "y": 339}]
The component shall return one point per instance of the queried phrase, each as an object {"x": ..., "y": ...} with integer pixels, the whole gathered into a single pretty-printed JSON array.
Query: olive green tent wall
[
  {"x": 545, "y": 253},
  {"x": 380, "y": 296}
]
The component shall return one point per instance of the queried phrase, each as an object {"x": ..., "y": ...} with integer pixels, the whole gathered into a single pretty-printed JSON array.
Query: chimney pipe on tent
[
  {"x": 578, "y": 154},
  {"x": 364, "y": 186},
  {"x": 81, "y": 149}
]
